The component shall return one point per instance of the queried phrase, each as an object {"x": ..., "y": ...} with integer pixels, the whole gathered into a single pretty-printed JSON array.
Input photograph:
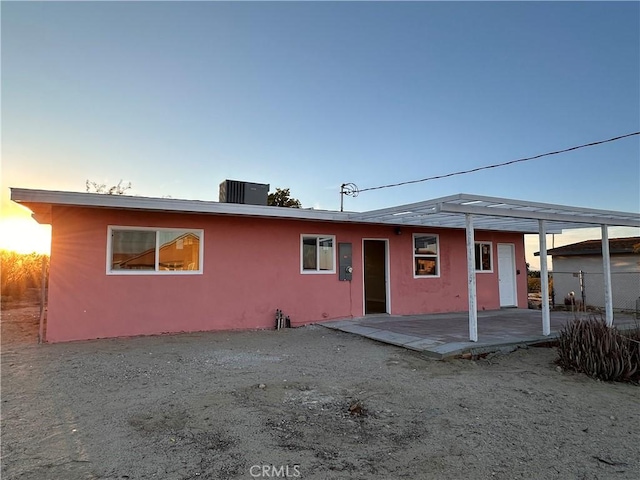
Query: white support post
[
  {"x": 544, "y": 279},
  {"x": 471, "y": 276},
  {"x": 606, "y": 263}
]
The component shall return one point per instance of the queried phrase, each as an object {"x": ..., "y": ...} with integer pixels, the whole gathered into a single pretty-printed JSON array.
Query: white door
[{"x": 507, "y": 275}]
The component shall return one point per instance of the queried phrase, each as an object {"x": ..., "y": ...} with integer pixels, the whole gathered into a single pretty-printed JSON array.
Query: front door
[
  {"x": 375, "y": 276},
  {"x": 507, "y": 275}
]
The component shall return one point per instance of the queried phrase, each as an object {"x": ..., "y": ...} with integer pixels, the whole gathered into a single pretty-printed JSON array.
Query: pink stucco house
[{"x": 124, "y": 265}]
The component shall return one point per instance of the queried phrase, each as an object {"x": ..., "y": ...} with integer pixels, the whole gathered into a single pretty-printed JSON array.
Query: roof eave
[
  {"x": 36, "y": 199},
  {"x": 490, "y": 213}
]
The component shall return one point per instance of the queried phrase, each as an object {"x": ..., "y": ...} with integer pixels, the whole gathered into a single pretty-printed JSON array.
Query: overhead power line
[{"x": 496, "y": 165}]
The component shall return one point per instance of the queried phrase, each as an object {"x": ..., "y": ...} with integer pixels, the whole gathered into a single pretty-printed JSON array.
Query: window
[
  {"x": 140, "y": 250},
  {"x": 317, "y": 254},
  {"x": 484, "y": 259},
  {"x": 426, "y": 256}
]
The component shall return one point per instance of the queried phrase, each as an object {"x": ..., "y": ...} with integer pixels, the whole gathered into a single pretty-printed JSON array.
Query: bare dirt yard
[{"x": 307, "y": 403}]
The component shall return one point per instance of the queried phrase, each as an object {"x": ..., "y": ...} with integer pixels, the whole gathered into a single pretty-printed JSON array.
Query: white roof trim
[
  {"x": 493, "y": 213},
  {"x": 490, "y": 213},
  {"x": 29, "y": 197}
]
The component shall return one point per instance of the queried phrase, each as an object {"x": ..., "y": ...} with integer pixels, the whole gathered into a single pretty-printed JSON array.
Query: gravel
[{"x": 307, "y": 403}]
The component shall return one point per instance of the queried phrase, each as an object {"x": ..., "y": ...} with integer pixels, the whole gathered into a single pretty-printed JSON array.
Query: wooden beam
[
  {"x": 544, "y": 279},
  {"x": 471, "y": 277},
  {"x": 598, "y": 218},
  {"x": 606, "y": 263}
]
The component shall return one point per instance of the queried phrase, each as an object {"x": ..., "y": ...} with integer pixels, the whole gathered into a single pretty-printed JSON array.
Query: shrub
[
  {"x": 533, "y": 284},
  {"x": 590, "y": 346},
  {"x": 19, "y": 272}
]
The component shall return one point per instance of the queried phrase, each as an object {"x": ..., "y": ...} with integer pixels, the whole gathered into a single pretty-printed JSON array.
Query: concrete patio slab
[
  {"x": 343, "y": 323},
  {"x": 359, "y": 330},
  {"x": 446, "y": 335},
  {"x": 387, "y": 336},
  {"x": 422, "y": 344}
]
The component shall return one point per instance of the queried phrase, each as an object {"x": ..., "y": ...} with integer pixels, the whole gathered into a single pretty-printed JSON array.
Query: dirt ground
[{"x": 309, "y": 403}]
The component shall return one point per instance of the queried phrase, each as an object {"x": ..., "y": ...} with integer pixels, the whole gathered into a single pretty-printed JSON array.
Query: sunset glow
[
  {"x": 24, "y": 235},
  {"x": 177, "y": 97}
]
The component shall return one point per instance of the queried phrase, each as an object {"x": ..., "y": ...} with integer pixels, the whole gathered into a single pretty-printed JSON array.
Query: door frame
[
  {"x": 387, "y": 283},
  {"x": 512, "y": 249}
]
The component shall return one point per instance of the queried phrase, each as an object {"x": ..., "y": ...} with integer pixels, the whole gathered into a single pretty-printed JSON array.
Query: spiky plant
[{"x": 591, "y": 347}]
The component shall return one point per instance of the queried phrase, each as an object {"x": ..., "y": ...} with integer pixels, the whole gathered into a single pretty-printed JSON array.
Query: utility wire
[{"x": 511, "y": 162}]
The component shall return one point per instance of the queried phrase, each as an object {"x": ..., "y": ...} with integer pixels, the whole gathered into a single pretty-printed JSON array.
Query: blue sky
[{"x": 176, "y": 97}]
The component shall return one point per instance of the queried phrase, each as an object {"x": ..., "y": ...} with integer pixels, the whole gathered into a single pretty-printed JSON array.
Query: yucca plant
[{"x": 591, "y": 347}]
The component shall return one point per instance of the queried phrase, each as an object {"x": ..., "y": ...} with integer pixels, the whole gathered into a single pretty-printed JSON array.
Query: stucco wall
[{"x": 251, "y": 267}]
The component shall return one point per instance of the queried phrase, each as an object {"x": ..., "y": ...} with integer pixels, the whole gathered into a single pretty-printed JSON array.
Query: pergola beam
[{"x": 577, "y": 217}]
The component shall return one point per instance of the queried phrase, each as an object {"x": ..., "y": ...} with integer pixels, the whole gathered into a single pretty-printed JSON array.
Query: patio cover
[
  {"x": 491, "y": 213},
  {"x": 497, "y": 214}
]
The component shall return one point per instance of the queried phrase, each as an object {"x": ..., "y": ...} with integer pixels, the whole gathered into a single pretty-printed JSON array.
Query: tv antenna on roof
[{"x": 350, "y": 189}]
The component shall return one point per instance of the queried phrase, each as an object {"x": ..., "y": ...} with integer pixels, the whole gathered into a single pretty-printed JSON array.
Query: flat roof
[
  {"x": 489, "y": 213},
  {"x": 40, "y": 202},
  {"x": 624, "y": 245}
]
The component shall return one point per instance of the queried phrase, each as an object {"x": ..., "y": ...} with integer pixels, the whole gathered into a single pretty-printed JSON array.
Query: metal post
[
  {"x": 471, "y": 276},
  {"x": 43, "y": 286},
  {"x": 350, "y": 189},
  {"x": 606, "y": 263},
  {"x": 544, "y": 279},
  {"x": 583, "y": 294}
]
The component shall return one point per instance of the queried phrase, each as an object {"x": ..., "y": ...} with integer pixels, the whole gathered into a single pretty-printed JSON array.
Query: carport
[{"x": 501, "y": 214}]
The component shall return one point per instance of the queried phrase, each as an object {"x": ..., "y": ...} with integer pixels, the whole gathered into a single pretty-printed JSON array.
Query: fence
[{"x": 588, "y": 288}]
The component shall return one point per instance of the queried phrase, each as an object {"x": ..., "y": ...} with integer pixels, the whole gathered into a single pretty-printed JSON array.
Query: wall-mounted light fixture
[{"x": 398, "y": 231}]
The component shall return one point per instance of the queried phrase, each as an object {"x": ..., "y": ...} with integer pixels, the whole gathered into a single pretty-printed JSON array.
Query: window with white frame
[
  {"x": 426, "y": 253},
  {"x": 142, "y": 250},
  {"x": 484, "y": 259},
  {"x": 317, "y": 253}
]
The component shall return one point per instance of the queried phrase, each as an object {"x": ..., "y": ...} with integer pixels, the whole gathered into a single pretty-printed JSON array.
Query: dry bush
[
  {"x": 534, "y": 285},
  {"x": 591, "y": 347},
  {"x": 19, "y": 271}
]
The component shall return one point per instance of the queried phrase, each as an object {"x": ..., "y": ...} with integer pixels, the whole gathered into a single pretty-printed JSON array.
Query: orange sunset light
[{"x": 24, "y": 235}]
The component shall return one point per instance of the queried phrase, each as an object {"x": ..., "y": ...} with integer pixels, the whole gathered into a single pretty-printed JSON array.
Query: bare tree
[{"x": 95, "y": 187}]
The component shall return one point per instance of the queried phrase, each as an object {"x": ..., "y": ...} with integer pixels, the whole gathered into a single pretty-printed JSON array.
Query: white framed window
[
  {"x": 317, "y": 253},
  {"x": 154, "y": 251},
  {"x": 426, "y": 255},
  {"x": 484, "y": 257}
]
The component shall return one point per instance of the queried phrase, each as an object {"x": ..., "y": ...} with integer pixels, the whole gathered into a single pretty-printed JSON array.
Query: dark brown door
[{"x": 375, "y": 276}]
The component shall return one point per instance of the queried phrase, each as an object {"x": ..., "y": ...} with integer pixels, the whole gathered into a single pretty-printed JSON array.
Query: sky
[{"x": 176, "y": 97}]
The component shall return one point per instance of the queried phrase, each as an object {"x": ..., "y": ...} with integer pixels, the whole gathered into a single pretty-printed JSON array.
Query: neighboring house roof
[
  {"x": 489, "y": 213},
  {"x": 627, "y": 245}
]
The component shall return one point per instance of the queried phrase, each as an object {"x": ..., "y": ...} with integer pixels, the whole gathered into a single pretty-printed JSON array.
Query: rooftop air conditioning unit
[{"x": 233, "y": 191}]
